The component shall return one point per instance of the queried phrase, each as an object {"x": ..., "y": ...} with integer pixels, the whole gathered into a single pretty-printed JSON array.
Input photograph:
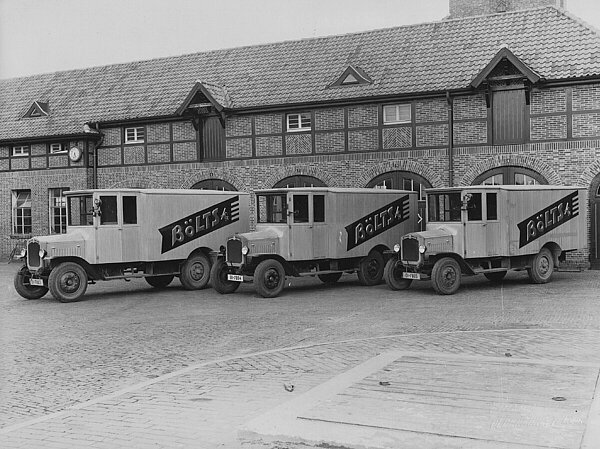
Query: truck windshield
[
  {"x": 272, "y": 208},
  {"x": 444, "y": 206},
  {"x": 80, "y": 210}
]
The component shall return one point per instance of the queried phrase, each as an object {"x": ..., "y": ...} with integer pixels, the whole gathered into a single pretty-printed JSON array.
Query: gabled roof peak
[
  {"x": 38, "y": 109},
  {"x": 491, "y": 69}
]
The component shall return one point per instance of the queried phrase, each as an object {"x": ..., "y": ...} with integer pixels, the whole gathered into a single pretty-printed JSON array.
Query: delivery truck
[
  {"x": 156, "y": 234},
  {"x": 315, "y": 231},
  {"x": 490, "y": 230}
]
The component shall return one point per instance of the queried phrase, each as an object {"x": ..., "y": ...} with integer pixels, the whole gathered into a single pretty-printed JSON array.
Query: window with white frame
[
  {"x": 20, "y": 150},
  {"x": 134, "y": 135},
  {"x": 21, "y": 212},
  {"x": 299, "y": 122},
  {"x": 58, "y": 210},
  {"x": 396, "y": 113},
  {"x": 57, "y": 148}
]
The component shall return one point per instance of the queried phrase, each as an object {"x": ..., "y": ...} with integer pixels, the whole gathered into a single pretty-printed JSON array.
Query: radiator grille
[
  {"x": 410, "y": 250},
  {"x": 33, "y": 256},
  {"x": 234, "y": 251}
]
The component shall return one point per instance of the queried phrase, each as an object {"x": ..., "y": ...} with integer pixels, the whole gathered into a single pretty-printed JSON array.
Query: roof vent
[
  {"x": 37, "y": 109},
  {"x": 352, "y": 76}
]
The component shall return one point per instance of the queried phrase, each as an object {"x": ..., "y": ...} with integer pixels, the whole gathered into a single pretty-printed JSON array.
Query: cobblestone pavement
[{"x": 133, "y": 367}]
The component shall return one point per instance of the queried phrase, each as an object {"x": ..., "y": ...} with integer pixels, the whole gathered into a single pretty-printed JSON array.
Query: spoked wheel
[
  {"x": 68, "y": 282},
  {"x": 370, "y": 270},
  {"x": 218, "y": 278},
  {"x": 542, "y": 267},
  {"x": 445, "y": 277},
  {"x": 195, "y": 272},
  {"x": 269, "y": 278},
  {"x": 393, "y": 275},
  {"x": 24, "y": 288}
]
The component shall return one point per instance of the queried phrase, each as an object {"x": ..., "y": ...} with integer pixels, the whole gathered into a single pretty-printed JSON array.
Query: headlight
[
  {"x": 244, "y": 250},
  {"x": 23, "y": 252},
  {"x": 397, "y": 248},
  {"x": 42, "y": 253},
  {"x": 422, "y": 248}
]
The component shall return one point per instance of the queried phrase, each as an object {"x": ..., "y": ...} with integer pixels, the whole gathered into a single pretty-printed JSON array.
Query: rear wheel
[
  {"x": 495, "y": 276},
  {"x": 392, "y": 274},
  {"x": 445, "y": 276},
  {"x": 68, "y": 282},
  {"x": 24, "y": 288},
  {"x": 329, "y": 278},
  {"x": 160, "y": 281},
  {"x": 218, "y": 278},
  {"x": 269, "y": 278},
  {"x": 370, "y": 269},
  {"x": 542, "y": 267},
  {"x": 195, "y": 272}
]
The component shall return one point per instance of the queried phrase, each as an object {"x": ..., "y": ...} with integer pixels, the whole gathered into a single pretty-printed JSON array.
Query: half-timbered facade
[{"x": 507, "y": 97}]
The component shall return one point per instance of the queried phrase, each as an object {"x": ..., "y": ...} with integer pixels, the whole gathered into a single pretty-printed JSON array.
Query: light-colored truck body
[
  {"x": 124, "y": 233},
  {"x": 318, "y": 231},
  {"x": 490, "y": 230}
]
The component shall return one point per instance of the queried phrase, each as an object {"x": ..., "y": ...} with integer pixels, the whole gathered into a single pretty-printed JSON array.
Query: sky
[{"x": 41, "y": 36}]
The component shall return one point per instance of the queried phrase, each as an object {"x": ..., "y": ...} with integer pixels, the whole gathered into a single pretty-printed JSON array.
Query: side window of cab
[{"x": 108, "y": 210}]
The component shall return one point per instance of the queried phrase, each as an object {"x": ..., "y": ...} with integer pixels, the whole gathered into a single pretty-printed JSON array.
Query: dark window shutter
[{"x": 509, "y": 116}]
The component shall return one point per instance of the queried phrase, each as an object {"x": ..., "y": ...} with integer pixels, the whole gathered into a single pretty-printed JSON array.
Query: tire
[
  {"x": 269, "y": 278},
  {"x": 542, "y": 267},
  {"x": 445, "y": 276},
  {"x": 495, "y": 276},
  {"x": 370, "y": 269},
  {"x": 329, "y": 278},
  {"x": 392, "y": 274},
  {"x": 68, "y": 282},
  {"x": 195, "y": 272},
  {"x": 23, "y": 287},
  {"x": 160, "y": 281},
  {"x": 218, "y": 278}
]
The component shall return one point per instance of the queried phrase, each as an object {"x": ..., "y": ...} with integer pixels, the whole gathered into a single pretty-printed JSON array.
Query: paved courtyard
[{"x": 130, "y": 366}]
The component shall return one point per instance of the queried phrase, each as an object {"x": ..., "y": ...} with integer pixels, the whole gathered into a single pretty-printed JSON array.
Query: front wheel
[
  {"x": 195, "y": 272},
  {"x": 392, "y": 274},
  {"x": 370, "y": 270},
  {"x": 24, "y": 288},
  {"x": 445, "y": 276},
  {"x": 218, "y": 278},
  {"x": 160, "y": 281},
  {"x": 269, "y": 278},
  {"x": 68, "y": 282},
  {"x": 542, "y": 267}
]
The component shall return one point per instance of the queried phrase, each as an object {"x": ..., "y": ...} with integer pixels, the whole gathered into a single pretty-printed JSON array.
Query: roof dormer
[
  {"x": 505, "y": 67},
  {"x": 352, "y": 76},
  {"x": 38, "y": 109}
]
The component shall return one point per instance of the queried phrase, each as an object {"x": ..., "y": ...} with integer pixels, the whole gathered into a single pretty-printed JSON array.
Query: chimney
[{"x": 468, "y": 8}]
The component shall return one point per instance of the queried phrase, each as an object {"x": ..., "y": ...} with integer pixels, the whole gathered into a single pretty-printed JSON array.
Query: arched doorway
[
  {"x": 213, "y": 184},
  {"x": 300, "y": 181},
  {"x": 595, "y": 223},
  {"x": 509, "y": 174},
  {"x": 404, "y": 180}
]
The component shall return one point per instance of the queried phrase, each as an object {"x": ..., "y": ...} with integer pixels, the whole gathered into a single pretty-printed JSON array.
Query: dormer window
[
  {"x": 299, "y": 122},
  {"x": 352, "y": 76},
  {"x": 134, "y": 135},
  {"x": 37, "y": 109}
]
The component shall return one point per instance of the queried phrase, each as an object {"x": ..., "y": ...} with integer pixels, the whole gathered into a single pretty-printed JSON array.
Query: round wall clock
[{"x": 75, "y": 154}]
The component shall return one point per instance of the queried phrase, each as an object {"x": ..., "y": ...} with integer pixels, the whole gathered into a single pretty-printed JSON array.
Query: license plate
[
  {"x": 38, "y": 282},
  {"x": 407, "y": 275},
  {"x": 235, "y": 277}
]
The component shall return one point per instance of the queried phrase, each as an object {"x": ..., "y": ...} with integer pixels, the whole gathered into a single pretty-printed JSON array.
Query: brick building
[{"x": 501, "y": 91}]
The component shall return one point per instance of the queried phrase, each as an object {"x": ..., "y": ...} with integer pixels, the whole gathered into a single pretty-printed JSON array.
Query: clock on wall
[{"x": 75, "y": 154}]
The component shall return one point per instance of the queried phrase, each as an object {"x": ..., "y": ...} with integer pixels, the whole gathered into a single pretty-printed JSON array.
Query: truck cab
[{"x": 490, "y": 230}]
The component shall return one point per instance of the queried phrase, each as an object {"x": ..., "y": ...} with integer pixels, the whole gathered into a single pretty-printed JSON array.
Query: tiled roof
[{"x": 430, "y": 57}]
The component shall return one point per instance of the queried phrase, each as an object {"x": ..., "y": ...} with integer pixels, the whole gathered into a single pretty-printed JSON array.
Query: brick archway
[
  {"x": 400, "y": 165},
  {"x": 591, "y": 177},
  {"x": 279, "y": 173},
  {"x": 223, "y": 176},
  {"x": 529, "y": 162}
]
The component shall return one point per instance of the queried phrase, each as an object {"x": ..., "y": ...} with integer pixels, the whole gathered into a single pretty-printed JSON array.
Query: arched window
[
  {"x": 510, "y": 175},
  {"x": 213, "y": 184},
  {"x": 404, "y": 180},
  {"x": 300, "y": 181}
]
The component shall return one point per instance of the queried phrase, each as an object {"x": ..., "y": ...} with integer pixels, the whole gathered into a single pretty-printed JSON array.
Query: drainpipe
[{"x": 450, "y": 101}]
